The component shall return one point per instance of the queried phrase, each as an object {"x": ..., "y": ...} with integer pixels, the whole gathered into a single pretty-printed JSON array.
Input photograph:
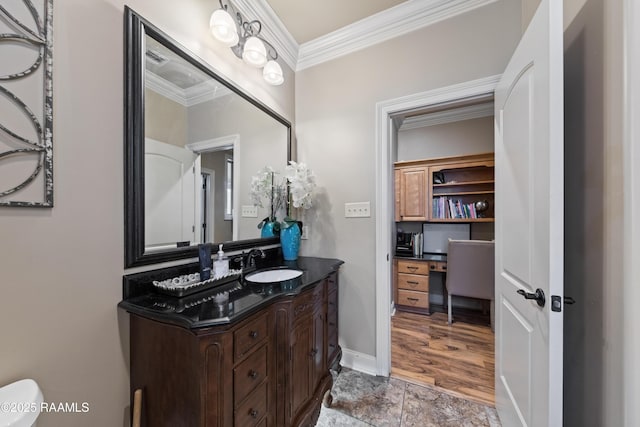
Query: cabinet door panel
[
  {"x": 300, "y": 366},
  {"x": 317, "y": 351},
  {"x": 413, "y": 194}
]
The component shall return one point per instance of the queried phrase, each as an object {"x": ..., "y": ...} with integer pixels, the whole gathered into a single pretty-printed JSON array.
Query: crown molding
[
  {"x": 273, "y": 30},
  {"x": 203, "y": 92},
  {"x": 396, "y": 21},
  {"x": 163, "y": 87},
  {"x": 448, "y": 116}
]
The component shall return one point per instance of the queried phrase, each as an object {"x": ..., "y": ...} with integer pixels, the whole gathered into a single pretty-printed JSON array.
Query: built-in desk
[{"x": 411, "y": 281}]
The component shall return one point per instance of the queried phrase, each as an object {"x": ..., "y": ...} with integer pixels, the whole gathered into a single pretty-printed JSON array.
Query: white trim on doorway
[
  {"x": 631, "y": 178},
  {"x": 384, "y": 195},
  {"x": 224, "y": 143}
]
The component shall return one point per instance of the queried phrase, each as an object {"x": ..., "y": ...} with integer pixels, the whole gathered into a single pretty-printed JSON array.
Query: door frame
[
  {"x": 631, "y": 180},
  {"x": 385, "y": 140}
]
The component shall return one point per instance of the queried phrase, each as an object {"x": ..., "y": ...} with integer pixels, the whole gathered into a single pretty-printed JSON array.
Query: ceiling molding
[
  {"x": 273, "y": 30},
  {"x": 396, "y": 21},
  {"x": 203, "y": 92},
  {"x": 159, "y": 85},
  {"x": 383, "y": 26},
  {"x": 448, "y": 116}
]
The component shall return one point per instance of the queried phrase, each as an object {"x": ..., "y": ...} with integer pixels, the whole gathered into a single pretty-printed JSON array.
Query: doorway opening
[{"x": 428, "y": 332}]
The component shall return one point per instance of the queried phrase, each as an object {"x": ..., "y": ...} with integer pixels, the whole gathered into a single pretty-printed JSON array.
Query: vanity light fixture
[{"x": 243, "y": 37}]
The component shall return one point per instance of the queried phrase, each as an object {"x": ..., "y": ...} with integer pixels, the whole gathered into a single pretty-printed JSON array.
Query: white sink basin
[{"x": 273, "y": 276}]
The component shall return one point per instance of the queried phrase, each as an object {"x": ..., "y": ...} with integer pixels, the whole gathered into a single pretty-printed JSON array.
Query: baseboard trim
[{"x": 358, "y": 361}]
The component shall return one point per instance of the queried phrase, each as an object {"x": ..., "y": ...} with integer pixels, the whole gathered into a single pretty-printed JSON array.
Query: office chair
[{"x": 470, "y": 271}]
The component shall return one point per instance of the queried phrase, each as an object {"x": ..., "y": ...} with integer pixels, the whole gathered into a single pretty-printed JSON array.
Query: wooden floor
[{"x": 457, "y": 358}]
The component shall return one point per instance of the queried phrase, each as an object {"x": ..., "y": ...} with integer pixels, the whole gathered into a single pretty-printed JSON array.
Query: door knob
[{"x": 538, "y": 296}]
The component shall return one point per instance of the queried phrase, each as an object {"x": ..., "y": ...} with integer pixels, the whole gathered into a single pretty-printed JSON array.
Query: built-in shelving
[{"x": 446, "y": 189}]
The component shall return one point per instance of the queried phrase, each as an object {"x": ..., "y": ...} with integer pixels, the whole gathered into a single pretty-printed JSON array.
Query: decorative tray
[{"x": 188, "y": 284}]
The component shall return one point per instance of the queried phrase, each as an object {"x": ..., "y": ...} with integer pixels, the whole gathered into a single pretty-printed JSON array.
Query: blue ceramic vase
[
  {"x": 267, "y": 229},
  {"x": 290, "y": 241}
]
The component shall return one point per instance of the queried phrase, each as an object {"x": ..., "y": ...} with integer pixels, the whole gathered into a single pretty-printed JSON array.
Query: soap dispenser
[{"x": 221, "y": 264}]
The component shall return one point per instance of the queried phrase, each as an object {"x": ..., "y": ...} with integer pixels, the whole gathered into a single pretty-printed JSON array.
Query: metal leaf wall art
[{"x": 26, "y": 103}]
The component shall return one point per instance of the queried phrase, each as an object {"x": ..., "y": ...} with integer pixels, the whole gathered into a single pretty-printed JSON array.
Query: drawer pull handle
[
  {"x": 444, "y": 267},
  {"x": 253, "y": 413},
  {"x": 253, "y": 334},
  {"x": 411, "y": 282},
  {"x": 253, "y": 374},
  {"x": 412, "y": 267},
  {"x": 433, "y": 267},
  {"x": 413, "y": 299}
]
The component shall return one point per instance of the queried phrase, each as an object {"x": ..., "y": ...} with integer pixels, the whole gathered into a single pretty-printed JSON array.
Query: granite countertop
[{"x": 200, "y": 310}]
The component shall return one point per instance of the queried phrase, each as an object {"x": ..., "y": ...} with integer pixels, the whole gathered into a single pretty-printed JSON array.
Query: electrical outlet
[
  {"x": 357, "y": 210},
  {"x": 305, "y": 232},
  {"x": 249, "y": 212}
]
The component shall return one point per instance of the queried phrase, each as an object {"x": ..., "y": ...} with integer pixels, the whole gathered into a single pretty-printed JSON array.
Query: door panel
[
  {"x": 529, "y": 225},
  {"x": 171, "y": 194}
]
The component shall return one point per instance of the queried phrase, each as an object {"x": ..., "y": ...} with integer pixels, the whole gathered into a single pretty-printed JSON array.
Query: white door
[
  {"x": 171, "y": 195},
  {"x": 529, "y": 225}
]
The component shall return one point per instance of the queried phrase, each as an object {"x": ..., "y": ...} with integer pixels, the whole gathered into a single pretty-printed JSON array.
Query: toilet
[{"x": 21, "y": 402}]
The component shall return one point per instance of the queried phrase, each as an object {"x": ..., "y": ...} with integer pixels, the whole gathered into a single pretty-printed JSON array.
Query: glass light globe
[
  {"x": 254, "y": 53},
  {"x": 223, "y": 28},
  {"x": 272, "y": 73}
]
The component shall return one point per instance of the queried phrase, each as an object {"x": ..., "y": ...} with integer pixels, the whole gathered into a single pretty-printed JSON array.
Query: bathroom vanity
[{"x": 262, "y": 358}]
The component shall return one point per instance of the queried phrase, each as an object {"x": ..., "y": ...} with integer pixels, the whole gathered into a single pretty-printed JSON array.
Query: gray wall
[
  {"x": 216, "y": 161},
  {"x": 460, "y": 138},
  {"x": 335, "y": 111},
  {"x": 594, "y": 381},
  {"x": 62, "y": 268}
]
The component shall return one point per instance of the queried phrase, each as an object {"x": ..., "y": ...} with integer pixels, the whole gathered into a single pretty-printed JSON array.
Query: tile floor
[{"x": 363, "y": 400}]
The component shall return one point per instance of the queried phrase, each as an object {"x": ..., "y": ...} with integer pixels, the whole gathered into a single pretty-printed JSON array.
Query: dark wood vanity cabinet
[{"x": 271, "y": 369}]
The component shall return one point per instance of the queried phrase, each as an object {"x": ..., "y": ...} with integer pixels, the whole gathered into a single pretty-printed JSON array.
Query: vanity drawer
[
  {"x": 413, "y": 282},
  {"x": 413, "y": 267},
  {"x": 251, "y": 412},
  {"x": 250, "y": 335},
  {"x": 249, "y": 374},
  {"x": 413, "y": 298}
]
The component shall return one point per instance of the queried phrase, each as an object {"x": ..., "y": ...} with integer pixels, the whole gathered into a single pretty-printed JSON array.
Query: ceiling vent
[{"x": 156, "y": 58}]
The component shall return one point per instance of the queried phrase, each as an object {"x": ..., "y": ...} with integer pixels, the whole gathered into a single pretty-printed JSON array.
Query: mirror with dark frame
[{"x": 193, "y": 140}]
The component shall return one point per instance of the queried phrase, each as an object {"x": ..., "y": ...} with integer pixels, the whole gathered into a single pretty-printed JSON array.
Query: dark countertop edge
[
  {"x": 425, "y": 257},
  {"x": 182, "y": 322}
]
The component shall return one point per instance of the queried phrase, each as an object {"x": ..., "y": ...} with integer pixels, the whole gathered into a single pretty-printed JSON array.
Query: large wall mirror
[{"x": 193, "y": 141}]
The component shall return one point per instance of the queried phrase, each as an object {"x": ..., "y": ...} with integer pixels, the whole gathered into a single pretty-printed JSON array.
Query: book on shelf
[{"x": 447, "y": 208}]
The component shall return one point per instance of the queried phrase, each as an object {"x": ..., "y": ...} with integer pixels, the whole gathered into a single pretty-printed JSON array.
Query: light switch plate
[
  {"x": 357, "y": 210},
  {"x": 305, "y": 232},
  {"x": 249, "y": 212}
]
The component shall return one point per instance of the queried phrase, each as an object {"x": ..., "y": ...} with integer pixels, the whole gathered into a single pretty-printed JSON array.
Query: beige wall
[
  {"x": 335, "y": 111},
  {"x": 164, "y": 120},
  {"x": 62, "y": 268},
  {"x": 450, "y": 139},
  {"x": 594, "y": 380}
]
